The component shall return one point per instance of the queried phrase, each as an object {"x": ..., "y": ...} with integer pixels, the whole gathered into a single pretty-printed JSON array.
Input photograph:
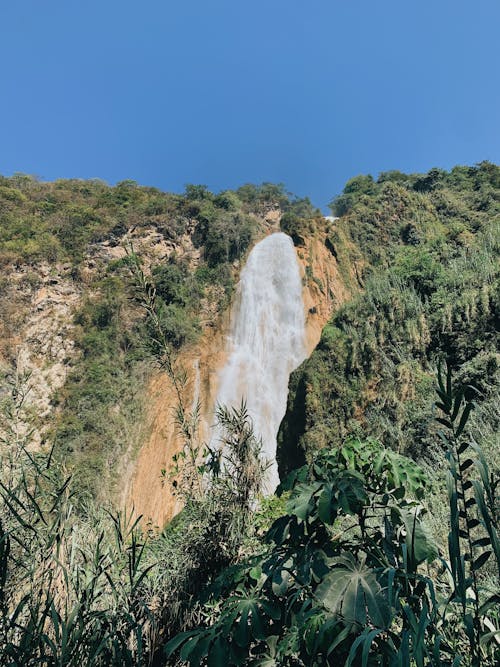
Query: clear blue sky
[{"x": 223, "y": 92}]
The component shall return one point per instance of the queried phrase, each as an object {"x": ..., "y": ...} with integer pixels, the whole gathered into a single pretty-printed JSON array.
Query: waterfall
[{"x": 266, "y": 342}]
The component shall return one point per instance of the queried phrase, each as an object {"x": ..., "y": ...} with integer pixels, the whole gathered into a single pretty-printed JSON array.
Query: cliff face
[
  {"x": 77, "y": 368},
  {"x": 326, "y": 284},
  {"x": 40, "y": 346},
  {"x": 150, "y": 491},
  {"x": 39, "y": 305},
  {"x": 330, "y": 278}
]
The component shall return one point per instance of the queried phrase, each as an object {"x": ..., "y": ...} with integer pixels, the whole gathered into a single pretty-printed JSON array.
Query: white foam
[{"x": 267, "y": 340}]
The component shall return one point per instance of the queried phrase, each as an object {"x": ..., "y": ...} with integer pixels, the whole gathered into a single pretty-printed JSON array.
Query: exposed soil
[{"x": 150, "y": 491}]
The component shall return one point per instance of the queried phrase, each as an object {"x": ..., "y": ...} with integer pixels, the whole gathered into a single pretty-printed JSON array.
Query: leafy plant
[
  {"x": 322, "y": 582},
  {"x": 473, "y": 536}
]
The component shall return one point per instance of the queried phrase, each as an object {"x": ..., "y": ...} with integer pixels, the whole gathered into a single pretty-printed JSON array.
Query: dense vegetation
[
  {"x": 346, "y": 565},
  {"x": 429, "y": 247},
  {"x": 62, "y": 220},
  {"x": 341, "y": 580}
]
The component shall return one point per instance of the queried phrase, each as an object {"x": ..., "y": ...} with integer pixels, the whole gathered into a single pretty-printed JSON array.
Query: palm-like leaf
[{"x": 352, "y": 591}]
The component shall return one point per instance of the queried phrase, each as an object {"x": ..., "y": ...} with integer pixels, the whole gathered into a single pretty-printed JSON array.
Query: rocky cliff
[{"x": 76, "y": 355}]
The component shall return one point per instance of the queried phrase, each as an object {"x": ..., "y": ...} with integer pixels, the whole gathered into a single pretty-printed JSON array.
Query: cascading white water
[{"x": 267, "y": 341}]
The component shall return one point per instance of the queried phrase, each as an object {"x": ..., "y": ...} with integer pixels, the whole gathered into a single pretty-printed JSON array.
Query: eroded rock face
[
  {"x": 325, "y": 289},
  {"x": 37, "y": 344},
  {"x": 37, "y": 331},
  {"x": 47, "y": 349}
]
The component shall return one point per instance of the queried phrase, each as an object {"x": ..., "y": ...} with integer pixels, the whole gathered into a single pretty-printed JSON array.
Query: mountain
[{"x": 381, "y": 545}]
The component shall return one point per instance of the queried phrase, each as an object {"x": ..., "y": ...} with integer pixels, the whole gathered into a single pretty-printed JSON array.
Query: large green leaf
[
  {"x": 350, "y": 491},
  {"x": 327, "y": 505},
  {"x": 421, "y": 546},
  {"x": 172, "y": 646},
  {"x": 196, "y": 647},
  {"x": 219, "y": 653},
  {"x": 301, "y": 503},
  {"x": 352, "y": 591},
  {"x": 280, "y": 582}
]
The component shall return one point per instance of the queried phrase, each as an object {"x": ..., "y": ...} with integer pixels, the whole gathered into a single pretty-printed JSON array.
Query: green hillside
[
  {"x": 430, "y": 247},
  {"x": 381, "y": 547}
]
